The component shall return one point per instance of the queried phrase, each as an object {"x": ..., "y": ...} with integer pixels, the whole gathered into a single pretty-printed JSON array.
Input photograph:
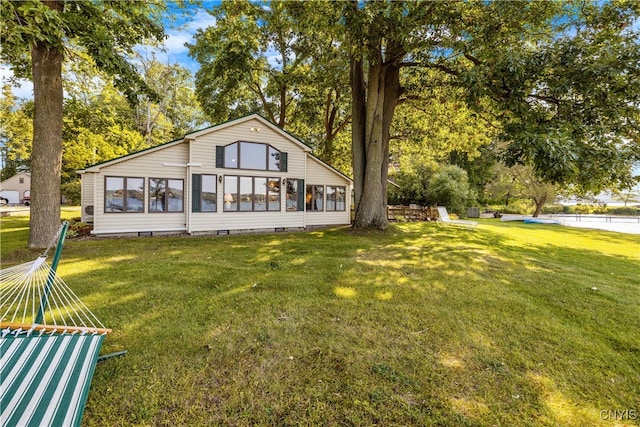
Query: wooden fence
[{"x": 411, "y": 213}]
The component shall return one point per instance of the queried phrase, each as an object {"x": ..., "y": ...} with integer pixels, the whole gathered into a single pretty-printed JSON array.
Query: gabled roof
[
  {"x": 27, "y": 174},
  {"x": 253, "y": 116},
  {"x": 198, "y": 133}
]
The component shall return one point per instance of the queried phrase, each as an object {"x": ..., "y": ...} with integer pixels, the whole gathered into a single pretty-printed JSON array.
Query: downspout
[
  {"x": 94, "y": 177},
  {"x": 189, "y": 194},
  {"x": 304, "y": 189}
]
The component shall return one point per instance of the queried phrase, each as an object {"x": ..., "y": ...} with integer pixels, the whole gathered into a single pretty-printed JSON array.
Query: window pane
[
  {"x": 208, "y": 193},
  {"x": 157, "y": 196},
  {"x": 175, "y": 196},
  {"x": 318, "y": 197},
  {"x": 274, "y": 194},
  {"x": 230, "y": 193},
  {"x": 253, "y": 156},
  {"x": 331, "y": 198},
  {"x": 135, "y": 195},
  {"x": 341, "y": 198},
  {"x": 231, "y": 155},
  {"x": 292, "y": 195},
  {"x": 114, "y": 195},
  {"x": 274, "y": 159},
  {"x": 308, "y": 197},
  {"x": 314, "y": 197},
  {"x": 246, "y": 193},
  {"x": 260, "y": 194}
]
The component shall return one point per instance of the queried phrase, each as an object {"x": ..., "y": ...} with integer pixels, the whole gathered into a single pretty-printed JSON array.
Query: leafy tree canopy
[{"x": 107, "y": 31}]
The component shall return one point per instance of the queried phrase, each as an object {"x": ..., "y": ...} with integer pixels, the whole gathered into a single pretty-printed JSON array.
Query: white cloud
[
  {"x": 25, "y": 90},
  {"x": 174, "y": 49}
]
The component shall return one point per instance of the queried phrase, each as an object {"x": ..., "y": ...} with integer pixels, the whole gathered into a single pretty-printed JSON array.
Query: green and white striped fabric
[{"x": 45, "y": 379}]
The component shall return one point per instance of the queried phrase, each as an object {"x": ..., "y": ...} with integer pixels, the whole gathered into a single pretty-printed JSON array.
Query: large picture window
[
  {"x": 336, "y": 198},
  {"x": 251, "y": 155},
  {"x": 314, "y": 198},
  {"x": 123, "y": 194},
  {"x": 247, "y": 193},
  {"x": 166, "y": 195},
  {"x": 204, "y": 193}
]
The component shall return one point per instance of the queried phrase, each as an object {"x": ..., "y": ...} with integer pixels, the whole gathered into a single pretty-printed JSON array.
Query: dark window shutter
[
  {"x": 219, "y": 156},
  {"x": 196, "y": 190},
  {"x": 301, "y": 194},
  {"x": 283, "y": 162}
]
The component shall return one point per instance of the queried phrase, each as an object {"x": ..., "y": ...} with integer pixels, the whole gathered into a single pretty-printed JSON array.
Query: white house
[
  {"x": 17, "y": 189},
  {"x": 240, "y": 176}
]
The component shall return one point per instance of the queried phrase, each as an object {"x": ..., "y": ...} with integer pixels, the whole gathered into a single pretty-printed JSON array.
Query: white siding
[
  {"x": 150, "y": 165},
  {"x": 197, "y": 155},
  {"x": 87, "y": 196},
  {"x": 203, "y": 150},
  {"x": 320, "y": 174}
]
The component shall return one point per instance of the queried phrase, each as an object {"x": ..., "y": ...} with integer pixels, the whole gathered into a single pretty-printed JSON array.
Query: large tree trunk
[
  {"x": 373, "y": 110},
  {"x": 358, "y": 115},
  {"x": 46, "y": 157}
]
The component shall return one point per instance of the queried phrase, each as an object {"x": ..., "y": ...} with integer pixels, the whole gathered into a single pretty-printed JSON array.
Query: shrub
[
  {"x": 450, "y": 188},
  {"x": 78, "y": 228}
]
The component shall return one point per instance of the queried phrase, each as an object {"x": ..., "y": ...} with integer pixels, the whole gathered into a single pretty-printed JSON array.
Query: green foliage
[
  {"x": 72, "y": 192},
  {"x": 519, "y": 182},
  {"x": 107, "y": 31},
  {"x": 279, "y": 61},
  {"x": 16, "y": 134},
  {"x": 570, "y": 99},
  {"x": 101, "y": 125},
  {"x": 176, "y": 112},
  {"x": 413, "y": 184},
  {"x": 450, "y": 187},
  {"x": 78, "y": 228},
  {"x": 430, "y": 184},
  {"x": 236, "y": 77}
]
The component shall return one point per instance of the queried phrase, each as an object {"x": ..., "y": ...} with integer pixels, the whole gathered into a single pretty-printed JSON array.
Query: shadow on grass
[{"x": 417, "y": 325}]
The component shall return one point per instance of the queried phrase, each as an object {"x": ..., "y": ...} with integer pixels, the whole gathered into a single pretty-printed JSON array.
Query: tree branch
[
  {"x": 444, "y": 68},
  {"x": 550, "y": 99}
]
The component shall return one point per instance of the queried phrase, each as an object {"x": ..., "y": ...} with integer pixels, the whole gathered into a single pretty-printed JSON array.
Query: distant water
[{"x": 630, "y": 225}]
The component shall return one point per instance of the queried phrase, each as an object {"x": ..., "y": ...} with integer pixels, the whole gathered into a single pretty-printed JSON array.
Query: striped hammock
[{"x": 49, "y": 346}]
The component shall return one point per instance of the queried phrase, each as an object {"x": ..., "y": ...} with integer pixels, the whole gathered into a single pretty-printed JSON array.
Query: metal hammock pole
[{"x": 52, "y": 273}]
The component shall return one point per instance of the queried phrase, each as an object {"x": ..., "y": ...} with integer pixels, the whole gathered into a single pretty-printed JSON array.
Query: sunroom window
[
  {"x": 123, "y": 194},
  {"x": 166, "y": 195},
  {"x": 251, "y": 193},
  {"x": 336, "y": 198},
  {"x": 315, "y": 198},
  {"x": 252, "y": 156},
  {"x": 204, "y": 193}
]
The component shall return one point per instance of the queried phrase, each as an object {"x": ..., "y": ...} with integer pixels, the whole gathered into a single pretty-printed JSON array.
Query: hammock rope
[{"x": 33, "y": 296}]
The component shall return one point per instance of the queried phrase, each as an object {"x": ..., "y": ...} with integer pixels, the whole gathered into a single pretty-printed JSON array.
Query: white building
[
  {"x": 240, "y": 176},
  {"x": 16, "y": 189}
]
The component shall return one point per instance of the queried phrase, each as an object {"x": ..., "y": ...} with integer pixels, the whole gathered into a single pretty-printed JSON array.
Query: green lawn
[{"x": 507, "y": 324}]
